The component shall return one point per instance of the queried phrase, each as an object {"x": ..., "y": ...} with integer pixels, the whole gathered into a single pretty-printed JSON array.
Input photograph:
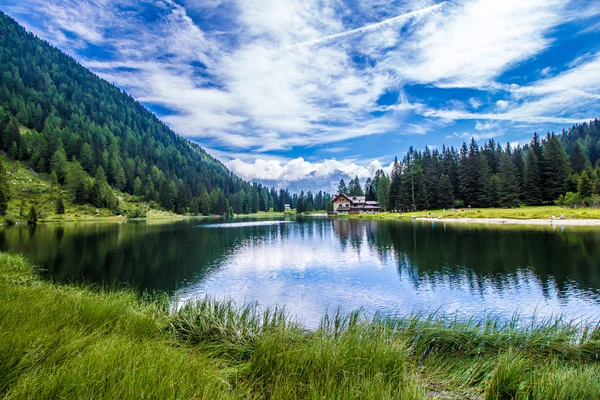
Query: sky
[{"x": 301, "y": 93}]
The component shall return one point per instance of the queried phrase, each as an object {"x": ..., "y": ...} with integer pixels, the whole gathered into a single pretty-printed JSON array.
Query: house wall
[{"x": 340, "y": 202}]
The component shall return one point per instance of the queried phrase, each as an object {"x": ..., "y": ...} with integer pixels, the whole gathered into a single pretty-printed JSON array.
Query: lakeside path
[{"x": 513, "y": 221}]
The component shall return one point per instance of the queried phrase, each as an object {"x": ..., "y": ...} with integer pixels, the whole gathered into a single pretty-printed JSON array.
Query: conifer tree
[
  {"x": 556, "y": 169},
  {"x": 60, "y": 206},
  {"x": 508, "y": 190},
  {"x": 4, "y": 188},
  {"x": 32, "y": 218},
  {"x": 445, "y": 192},
  {"x": 533, "y": 190},
  {"x": 395, "y": 178},
  {"x": 342, "y": 189},
  {"x": 585, "y": 186}
]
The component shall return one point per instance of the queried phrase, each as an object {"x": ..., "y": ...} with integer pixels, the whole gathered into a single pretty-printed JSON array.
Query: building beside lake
[{"x": 344, "y": 205}]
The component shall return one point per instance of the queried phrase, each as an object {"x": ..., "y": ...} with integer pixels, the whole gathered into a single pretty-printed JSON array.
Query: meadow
[{"x": 523, "y": 212}]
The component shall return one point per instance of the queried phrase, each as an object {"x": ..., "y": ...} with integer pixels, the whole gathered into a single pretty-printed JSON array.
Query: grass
[
  {"x": 524, "y": 212},
  {"x": 61, "y": 341},
  {"x": 31, "y": 188}
]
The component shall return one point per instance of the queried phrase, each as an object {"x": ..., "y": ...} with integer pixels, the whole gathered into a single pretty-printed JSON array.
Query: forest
[
  {"x": 95, "y": 140},
  {"x": 558, "y": 168}
]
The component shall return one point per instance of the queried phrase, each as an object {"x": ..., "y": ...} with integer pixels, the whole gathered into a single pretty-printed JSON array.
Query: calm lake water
[{"x": 317, "y": 264}]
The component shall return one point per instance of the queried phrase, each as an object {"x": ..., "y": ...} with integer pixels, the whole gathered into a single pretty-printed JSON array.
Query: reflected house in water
[{"x": 344, "y": 205}]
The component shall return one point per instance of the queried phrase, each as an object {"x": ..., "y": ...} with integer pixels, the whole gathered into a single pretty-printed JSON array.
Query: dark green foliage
[
  {"x": 490, "y": 176},
  {"x": 508, "y": 190},
  {"x": 585, "y": 186},
  {"x": 4, "y": 188},
  {"x": 445, "y": 192},
  {"x": 60, "y": 206},
  {"x": 555, "y": 167},
  {"x": 32, "y": 218},
  {"x": 533, "y": 189},
  {"x": 354, "y": 188}
]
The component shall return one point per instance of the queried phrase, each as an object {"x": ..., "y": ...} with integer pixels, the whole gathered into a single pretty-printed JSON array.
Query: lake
[{"x": 313, "y": 265}]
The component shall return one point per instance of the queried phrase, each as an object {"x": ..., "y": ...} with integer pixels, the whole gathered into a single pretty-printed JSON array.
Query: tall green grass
[{"x": 75, "y": 342}]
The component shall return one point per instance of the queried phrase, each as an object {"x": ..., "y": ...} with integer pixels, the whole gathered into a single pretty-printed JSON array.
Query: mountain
[{"x": 60, "y": 118}]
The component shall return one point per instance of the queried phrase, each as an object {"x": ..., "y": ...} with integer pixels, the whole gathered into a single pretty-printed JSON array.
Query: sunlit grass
[
  {"x": 524, "y": 212},
  {"x": 74, "y": 342}
]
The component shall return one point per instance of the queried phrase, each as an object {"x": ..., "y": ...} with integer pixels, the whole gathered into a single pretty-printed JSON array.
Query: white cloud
[
  {"x": 476, "y": 136},
  {"x": 485, "y": 126},
  {"x": 502, "y": 105},
  {"x": 469, "y": 43},
  {"x": 475, "y": 103},
  {"x": 299, "y": 168}
]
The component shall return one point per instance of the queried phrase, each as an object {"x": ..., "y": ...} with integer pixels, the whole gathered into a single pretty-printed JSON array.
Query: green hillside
[{"x": 58, "y": 117}]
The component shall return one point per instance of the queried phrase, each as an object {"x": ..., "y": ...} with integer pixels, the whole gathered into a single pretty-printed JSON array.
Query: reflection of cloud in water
[
  {"x": 243, "y": 224},
  {"x": 311, "y": 273}
]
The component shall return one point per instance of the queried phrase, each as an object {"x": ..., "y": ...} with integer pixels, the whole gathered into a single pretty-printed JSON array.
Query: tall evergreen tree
[
  {"x": 555, "y": 166},
  {"x": 508, "y": 191},
  {"x": 445, "y": 192},
  {"x": 342, "y": 189},
  {"x": 4, "y": 188}
]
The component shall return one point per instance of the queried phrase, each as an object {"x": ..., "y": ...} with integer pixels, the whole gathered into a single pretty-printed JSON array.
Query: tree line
[{"x": 562, "y": 168}]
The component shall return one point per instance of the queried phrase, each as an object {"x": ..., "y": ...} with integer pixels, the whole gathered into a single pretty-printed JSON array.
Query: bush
[{"x": 138, "y": 212}]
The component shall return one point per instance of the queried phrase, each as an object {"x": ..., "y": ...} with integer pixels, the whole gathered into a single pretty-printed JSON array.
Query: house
[
  {"x": 287, "y": 207},
  {"x": 344, "y": 205}
]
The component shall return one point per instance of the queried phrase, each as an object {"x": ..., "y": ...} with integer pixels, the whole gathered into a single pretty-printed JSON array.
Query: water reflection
[{"x": 313, "y": 265}]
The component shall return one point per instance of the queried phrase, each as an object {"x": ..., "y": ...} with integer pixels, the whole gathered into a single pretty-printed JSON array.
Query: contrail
[{"x": 371, "y": 27}]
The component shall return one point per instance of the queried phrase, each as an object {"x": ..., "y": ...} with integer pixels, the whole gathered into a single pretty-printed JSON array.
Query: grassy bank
[
  {"x": 72, "y": 342},
  {"x": 29, "y": 188},
  {"x": 525, "y": 212}
]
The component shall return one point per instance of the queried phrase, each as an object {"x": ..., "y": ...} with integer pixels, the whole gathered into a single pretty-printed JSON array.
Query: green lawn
[
  {"x": 73, "y": 342},
  {"x": 525, "y": 212}
]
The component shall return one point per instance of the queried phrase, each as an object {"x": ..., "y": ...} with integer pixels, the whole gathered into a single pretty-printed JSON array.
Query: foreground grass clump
[{"x": 73, "y": 342}]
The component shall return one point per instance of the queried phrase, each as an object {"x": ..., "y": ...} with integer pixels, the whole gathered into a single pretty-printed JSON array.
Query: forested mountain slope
[{"x": 91, "y": 135}]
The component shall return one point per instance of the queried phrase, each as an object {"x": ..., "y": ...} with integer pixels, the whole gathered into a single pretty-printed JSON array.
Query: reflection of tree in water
[
  {"x": 482, "y": 257},
  {"x": 147, "y": 256},
  {"x": 351, "y": 233},
  {"x": 164, "y": 256}
]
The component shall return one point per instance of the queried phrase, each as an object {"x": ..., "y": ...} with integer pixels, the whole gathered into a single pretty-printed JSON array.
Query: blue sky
[{"x": 289, "y": 91}]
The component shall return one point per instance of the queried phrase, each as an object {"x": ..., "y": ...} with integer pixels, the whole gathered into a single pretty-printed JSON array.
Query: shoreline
[{"x": 514, "y": 221}]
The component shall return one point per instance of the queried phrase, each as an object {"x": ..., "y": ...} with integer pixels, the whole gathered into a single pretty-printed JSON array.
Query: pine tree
[
  {"x": 556, "y": 169},
  {"x": 395, "y": 179},
  {"x": 508, "y": 190},
  {"x": 533, "y": 190},
  {"x": 579, "y": 159},
  {"x": 342, "y": 189},
  {"x": 138, "y": 187},
  {"x": 59, "y": 164},
  {"x": 445, "y": 192},
  {"x": 354, "y": 188},
  {"x": 383, "y": 189},
  {"x": 60, "y": 206},
  {"x": 4, "y": 188},
  {"x": 32, "y": 218},
  {"x": 585, "y": 186}
]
